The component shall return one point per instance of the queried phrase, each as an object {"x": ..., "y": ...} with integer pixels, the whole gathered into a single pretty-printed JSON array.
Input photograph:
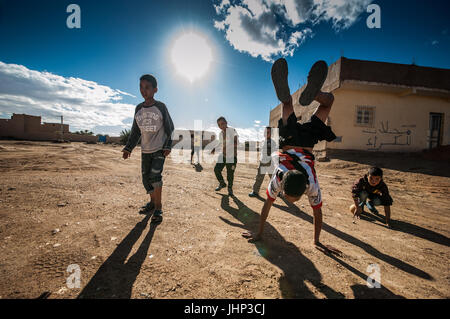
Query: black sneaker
[
  {"x": 147, "y": 208},
  {"x": 221, "y": 185},
  {"x": 316, "y": 77},
  {"x": 279, "y": 74},
  {"x": 253, "y": 194},
  {"x": 157, "y": 216},
  {"x": 230, "y": 191}
]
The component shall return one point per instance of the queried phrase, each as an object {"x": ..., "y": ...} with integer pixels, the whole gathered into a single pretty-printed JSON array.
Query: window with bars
[{"x": 365, "y": 116}]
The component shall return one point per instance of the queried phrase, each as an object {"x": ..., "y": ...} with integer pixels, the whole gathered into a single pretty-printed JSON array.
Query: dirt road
[{"x": 77, "y": 204}]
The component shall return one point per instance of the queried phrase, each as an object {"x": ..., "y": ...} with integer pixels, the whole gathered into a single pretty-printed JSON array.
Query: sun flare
[{"x": 191, "y": 55}]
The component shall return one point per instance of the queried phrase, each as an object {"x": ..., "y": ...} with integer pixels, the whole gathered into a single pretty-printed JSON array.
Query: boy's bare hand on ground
[
  {"x": 328, "y": 249},
  {"x": 251, "y": 236},
  {"x": 358, "y": 212},
  {"x": 126, "y": 154}
]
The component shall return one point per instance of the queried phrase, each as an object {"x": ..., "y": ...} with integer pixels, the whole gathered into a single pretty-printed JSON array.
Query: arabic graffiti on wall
[{"x": 384, "y": 136}]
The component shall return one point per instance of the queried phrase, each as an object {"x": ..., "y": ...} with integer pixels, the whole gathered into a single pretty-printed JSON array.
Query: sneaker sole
[
  {"x": 279, "y": 75},
  {"x": 316, "y": 77}
]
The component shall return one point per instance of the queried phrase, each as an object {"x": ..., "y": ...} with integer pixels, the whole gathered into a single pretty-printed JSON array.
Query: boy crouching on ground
[{"x": 371, "y": 190}]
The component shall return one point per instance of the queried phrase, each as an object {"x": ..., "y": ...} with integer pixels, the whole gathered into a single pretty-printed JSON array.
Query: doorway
[{"x": 435, "y": 139}]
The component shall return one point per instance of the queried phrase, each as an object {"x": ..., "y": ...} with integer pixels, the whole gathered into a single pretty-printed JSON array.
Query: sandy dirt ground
[{"x": 77, "y": 204}]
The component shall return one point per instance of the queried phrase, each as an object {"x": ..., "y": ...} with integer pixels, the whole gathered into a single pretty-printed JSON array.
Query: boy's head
[
  {"x": 148, "y": 86},
  {"x": 294, "y": 185},
  {"x": 375, "y": 175},
  {"x": 268, "y": 132},
  {"x": 222, "y": 123}
]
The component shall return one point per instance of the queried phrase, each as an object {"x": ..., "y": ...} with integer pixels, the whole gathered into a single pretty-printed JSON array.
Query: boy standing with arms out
[
  {"x": 295, "y": 173},
  {"x": 228, "y": 139},
  {"x": 153, "y": 124},
  {"x": 371, "y": 187},
  {"x": 265, "y": 166}
]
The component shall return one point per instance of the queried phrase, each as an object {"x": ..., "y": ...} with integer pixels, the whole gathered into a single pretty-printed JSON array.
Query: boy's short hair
[
  {"x": 375, "y": 171},
  {"x": 150, "y": 78},
  {"x": 221, "y": 119},
  {"x": 294, "y": 183}
]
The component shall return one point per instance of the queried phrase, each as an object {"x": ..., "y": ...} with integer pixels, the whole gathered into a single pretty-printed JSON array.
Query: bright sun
[{"x": 191, "y": 55}]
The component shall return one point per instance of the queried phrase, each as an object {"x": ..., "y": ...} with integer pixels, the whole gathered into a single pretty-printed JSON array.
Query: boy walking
[
  {"x": 295, "y": 174},
  {"x": 371, "y": 190},
  {"x": 153, "y": 125},
  {"x": 228, "y": 139},
  {"x": 265, "y": 164}
]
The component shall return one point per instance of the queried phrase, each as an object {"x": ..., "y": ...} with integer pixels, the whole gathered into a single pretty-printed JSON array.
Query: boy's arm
[
  {"x": 317, "y": 228},
  {"x": 387, "y": 212},
  {"x": 357, "y": 188},
  {"x": 169, "y": 128},
  {"x": 385, "y": 197},
  {"x": 317, "y": 224},
  {"x": 287, "y": 110},
  {"x": 386, "y": 200},
  {"x": 262, "y": 220},
  {"x": 134, "y": 137}
]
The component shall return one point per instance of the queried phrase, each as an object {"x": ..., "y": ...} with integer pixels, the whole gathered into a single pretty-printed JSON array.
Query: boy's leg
[
  {"x": 326, "y": 101},
  {"x": 258, "y": 180},
  {"x": 231, "y": 167},
  {"x": 157, "y": 165},
  {"x": 362, "y": 199},
  {"x": 218, "y": 172},
  {"x": 156, "y": 198},
  {"x": 146, "y": 166},
  {"x": 279, "y": 75},
  {"x": 377, "y": 201},
  {"x": 198, "y": 154},
  {"x": 316, "y": 78},
  {"x": 374, "y": 200}
]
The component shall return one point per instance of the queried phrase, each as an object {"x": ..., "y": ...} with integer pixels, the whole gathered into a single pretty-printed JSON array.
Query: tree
[
  {"x": 124, "y": 136},
  {"x": 85, "y": 132}
]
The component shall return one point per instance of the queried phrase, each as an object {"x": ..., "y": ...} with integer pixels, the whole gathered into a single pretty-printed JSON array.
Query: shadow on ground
[
  {"x": 297, "y": 269},
  {"x": 294, "y": 210},
  {"x": 408, "y": 228},
  {"x": 115, "y": 277},
  {"x": 404, "y": 162}
]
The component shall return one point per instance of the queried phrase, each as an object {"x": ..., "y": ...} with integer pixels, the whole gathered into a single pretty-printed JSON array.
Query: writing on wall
[{"x": 383, "y": 136}]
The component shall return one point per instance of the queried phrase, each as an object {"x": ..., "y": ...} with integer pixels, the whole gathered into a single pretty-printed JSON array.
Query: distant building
[
  {"x": 179, "y": 134},
  {"x": 383, "y": 106},
  {"x": 29, "y": 127}
]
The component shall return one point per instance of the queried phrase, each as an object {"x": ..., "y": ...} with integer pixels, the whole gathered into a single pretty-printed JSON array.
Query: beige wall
[{"x": 397, "y": 114}]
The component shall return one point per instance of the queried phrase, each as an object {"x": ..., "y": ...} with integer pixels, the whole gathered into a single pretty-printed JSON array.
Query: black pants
[
  {"x": 304, "y": 135},
  {"x": 231, "y": 167}
]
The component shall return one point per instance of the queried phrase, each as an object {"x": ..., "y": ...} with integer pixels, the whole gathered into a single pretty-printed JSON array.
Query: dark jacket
[{"x": 381, "y": 190}]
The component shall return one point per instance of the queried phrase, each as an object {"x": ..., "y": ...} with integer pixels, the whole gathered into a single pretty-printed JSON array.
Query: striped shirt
[{"x": 285, "y": 164}]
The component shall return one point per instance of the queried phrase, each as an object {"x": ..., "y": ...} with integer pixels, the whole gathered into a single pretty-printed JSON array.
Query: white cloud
[
  {"x": 84, "y": 104},
  {"x": 342, "y": 13},
  {"x": 267, "y": 28}
]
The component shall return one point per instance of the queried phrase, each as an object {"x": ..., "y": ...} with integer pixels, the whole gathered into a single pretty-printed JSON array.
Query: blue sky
[{"x": 90, "y": 75}]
